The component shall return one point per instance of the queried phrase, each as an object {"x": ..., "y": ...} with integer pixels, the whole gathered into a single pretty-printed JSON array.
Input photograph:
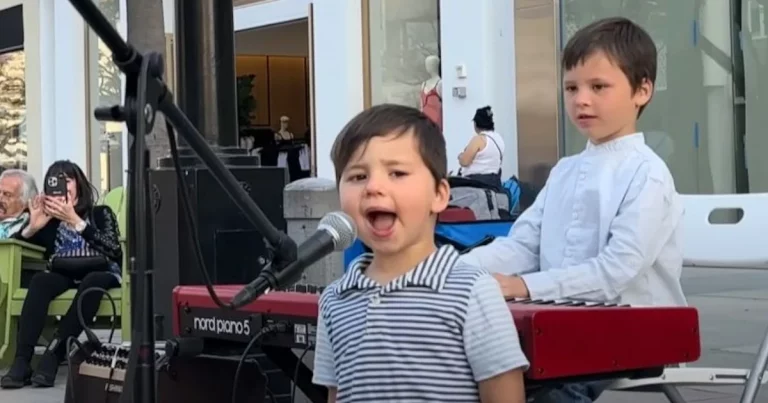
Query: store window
[
  {"x": 13, "y": 104},
  {"x": 403, "y": 49},
  {"x": 105, "y": 89},
  {"x": 694, "y": 121},
  {"x": 754, "y": 36}
]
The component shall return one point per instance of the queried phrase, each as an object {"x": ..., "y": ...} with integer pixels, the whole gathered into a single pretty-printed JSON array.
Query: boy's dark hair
[
  {"x": 484, "y": 118},
  {"x": 624, "y": 42},
  {"x": 387, "y": 119}
]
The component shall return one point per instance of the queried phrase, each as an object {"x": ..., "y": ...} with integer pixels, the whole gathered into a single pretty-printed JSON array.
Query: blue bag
[{"x": 462, "y": 235}]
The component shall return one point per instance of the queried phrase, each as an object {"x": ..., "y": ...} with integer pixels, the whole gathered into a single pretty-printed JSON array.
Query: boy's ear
[
  {"x": 643, "y": 93},
  {"x": 442, "y": 196}
]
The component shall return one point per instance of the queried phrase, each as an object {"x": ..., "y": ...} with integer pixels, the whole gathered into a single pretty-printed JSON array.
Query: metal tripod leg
[
  {"x": 755, "y": 376},
  {"x": 672, "y": 394}
]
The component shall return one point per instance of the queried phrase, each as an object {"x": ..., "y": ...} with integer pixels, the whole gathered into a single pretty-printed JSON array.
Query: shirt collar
[
  {"x": 622, "y": 143},
  {"x": 16, "y": 219},
  {"x": 432, "y": 272}
]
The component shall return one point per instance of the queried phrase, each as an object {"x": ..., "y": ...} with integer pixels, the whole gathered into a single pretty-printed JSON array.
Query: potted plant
[{"x": 246, "y": 103}]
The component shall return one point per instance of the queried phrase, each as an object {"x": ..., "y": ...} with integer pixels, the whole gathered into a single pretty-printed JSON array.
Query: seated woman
[
  {"x": 82, "y": 246},
  {"x": 481, "y": 159}
]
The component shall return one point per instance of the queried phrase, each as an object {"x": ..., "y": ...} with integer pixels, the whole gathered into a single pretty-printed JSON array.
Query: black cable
[
  {"x": 91, "y": 336},
  {"x": 70, "y": 377},
  {"x": 80, "y": 311},
  {"x": 274, "y": 327},
  {"x": 111, "y": 374},
  {"x": 267, "y": 389},
  {"x": 296, "y": 371},
  {"x": 186, "y": 205}
]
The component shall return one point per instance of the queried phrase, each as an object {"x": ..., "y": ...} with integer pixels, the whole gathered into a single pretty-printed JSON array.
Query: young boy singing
[
  {"x": 409, "y": 322},
  {"x": 606, "y": 226}
]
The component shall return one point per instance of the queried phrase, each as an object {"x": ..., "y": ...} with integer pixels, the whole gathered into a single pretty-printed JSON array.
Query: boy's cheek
[{"x": 349, "y": 204}]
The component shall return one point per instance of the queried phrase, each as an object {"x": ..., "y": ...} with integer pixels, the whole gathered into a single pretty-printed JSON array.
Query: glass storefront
[
  {"x": 105, "y": 89},
  {"x": 754, "y": 58},
  {"x": 707, "y": 118},
  {"x": 13, "y": 102},
  {"x": 404, "y": 48}
]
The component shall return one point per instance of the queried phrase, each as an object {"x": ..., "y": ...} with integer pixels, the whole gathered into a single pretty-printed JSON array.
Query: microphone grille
[{"x": 341, "y": 227}]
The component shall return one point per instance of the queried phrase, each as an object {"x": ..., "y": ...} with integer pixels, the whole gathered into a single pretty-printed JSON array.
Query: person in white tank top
[{"x": 482, "y": 157}]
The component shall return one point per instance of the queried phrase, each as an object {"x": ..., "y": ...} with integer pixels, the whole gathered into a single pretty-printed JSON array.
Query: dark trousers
[
  {"x": 44, "y": 288},
  {"x": 488, "y": 179},
  {"x": 572, "y": 393}
]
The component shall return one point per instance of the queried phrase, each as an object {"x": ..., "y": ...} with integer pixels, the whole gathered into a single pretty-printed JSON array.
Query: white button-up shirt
[{"x": 606, "y": 227}]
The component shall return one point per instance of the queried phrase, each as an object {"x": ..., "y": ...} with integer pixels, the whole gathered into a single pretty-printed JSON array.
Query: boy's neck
[
  {"x": 387, "y": 267},
  {"x": 627, "y": 131}
]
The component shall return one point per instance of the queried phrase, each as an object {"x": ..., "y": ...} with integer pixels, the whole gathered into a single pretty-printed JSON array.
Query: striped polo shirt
[{"x": 429, "y": 335}]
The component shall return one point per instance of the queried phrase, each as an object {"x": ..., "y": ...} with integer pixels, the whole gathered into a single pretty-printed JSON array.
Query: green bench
[{"x": 17, "y": 256}]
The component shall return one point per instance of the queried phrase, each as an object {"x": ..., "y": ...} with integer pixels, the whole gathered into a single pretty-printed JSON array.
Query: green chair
[
  {"x": 13, "y": 254},
  {"x": 16, "y": 256}
]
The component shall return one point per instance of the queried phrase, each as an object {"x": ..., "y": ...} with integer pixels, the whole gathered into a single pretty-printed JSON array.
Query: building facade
[
  {"x": 707, "y": 118},
  {"x": 63, "y": 72}
]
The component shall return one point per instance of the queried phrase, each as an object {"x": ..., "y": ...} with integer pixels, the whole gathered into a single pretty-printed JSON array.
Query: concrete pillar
[
  {"x": 485, "y": 56},
  {"x": 305, "y": 202}
]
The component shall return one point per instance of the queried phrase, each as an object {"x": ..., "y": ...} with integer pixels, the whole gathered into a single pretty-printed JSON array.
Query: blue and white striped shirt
[{"x": 429, "y": 335}]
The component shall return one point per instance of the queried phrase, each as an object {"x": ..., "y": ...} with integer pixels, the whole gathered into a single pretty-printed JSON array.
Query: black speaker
[{"x": 233, "y": 250}]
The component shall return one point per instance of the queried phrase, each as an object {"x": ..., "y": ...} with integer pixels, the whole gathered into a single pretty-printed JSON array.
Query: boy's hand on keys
[{"x": 512, "y": 286}]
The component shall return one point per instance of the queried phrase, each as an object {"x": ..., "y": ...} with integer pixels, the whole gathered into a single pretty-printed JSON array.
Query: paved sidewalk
[{"x": 733, "y": 307}]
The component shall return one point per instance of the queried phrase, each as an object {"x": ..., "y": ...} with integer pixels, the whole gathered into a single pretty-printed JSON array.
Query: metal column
[{"x": 205, "y": 68}]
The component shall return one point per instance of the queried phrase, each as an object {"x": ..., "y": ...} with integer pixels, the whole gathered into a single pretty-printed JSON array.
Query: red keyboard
[{"x": 562, "y": 340}]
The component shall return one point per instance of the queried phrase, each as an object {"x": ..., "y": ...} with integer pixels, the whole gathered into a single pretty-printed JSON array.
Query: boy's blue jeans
[{"x": 571, "y": 393}]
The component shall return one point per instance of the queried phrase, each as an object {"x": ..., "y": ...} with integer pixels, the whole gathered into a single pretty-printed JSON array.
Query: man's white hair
[{"x": 28, "y": 185}]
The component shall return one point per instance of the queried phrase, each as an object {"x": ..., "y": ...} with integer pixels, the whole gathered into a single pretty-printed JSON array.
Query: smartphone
[{"x": 56, "y": 185}]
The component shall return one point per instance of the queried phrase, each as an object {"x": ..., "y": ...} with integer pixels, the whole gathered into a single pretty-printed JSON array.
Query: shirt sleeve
[
  {"x": 104, "y": 234},
  {"x": 490, "y": 337},
  {"x": 518, "y": 252},
  {"x": 324, "y": 368},
  {"x": 646, "y": 220}
]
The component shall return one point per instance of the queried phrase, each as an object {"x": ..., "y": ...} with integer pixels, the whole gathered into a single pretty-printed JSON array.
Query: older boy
[{"x": 606, "y": 226}]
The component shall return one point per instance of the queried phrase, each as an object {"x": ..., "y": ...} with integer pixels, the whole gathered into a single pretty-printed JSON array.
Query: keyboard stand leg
[
  {"x": 756, "y": 374},
  {"x": 672, "y": 394},
  {"x": 286, "y": 360}
]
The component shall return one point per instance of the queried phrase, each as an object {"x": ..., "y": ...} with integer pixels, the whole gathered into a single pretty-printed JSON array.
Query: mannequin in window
[
  {"x": 432, "y": 91},
  {"x": 284, "y": 134}
]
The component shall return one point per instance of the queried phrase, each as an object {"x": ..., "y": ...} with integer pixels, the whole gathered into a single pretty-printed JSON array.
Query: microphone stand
[{"x": 146, "y": 93}]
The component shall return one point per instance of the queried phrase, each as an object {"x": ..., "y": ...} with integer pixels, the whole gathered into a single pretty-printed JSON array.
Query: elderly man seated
[{"x": 17, "y": 188}]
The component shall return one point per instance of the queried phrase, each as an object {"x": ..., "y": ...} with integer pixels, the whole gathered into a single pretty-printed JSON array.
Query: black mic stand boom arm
[{"x": 145, "y": 94}]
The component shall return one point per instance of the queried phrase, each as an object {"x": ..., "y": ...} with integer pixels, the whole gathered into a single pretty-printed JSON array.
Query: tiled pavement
[{"x": 733, "y": 305}]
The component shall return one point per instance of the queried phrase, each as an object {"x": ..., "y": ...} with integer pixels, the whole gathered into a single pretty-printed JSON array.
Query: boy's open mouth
[{"x": 380, "y": 220}]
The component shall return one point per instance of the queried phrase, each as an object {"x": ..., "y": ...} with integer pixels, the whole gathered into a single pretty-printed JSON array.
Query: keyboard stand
[{"x": 692, "y": 376}]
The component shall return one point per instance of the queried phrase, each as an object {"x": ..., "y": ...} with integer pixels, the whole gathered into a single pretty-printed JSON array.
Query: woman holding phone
[{"x": 81, "y": 242}]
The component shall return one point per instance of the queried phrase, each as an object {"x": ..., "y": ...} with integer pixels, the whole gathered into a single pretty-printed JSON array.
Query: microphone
[{"x": 335, "y": 232}]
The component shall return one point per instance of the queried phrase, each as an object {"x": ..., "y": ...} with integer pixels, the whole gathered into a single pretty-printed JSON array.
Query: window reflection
[
  {"x": 691, "y": 121},
  {"x": 404, "y": 38},
  {"x": 105, "y": 80},
  {"x": 13, "y": 110},
  {"x": 755, "y": 55}
]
